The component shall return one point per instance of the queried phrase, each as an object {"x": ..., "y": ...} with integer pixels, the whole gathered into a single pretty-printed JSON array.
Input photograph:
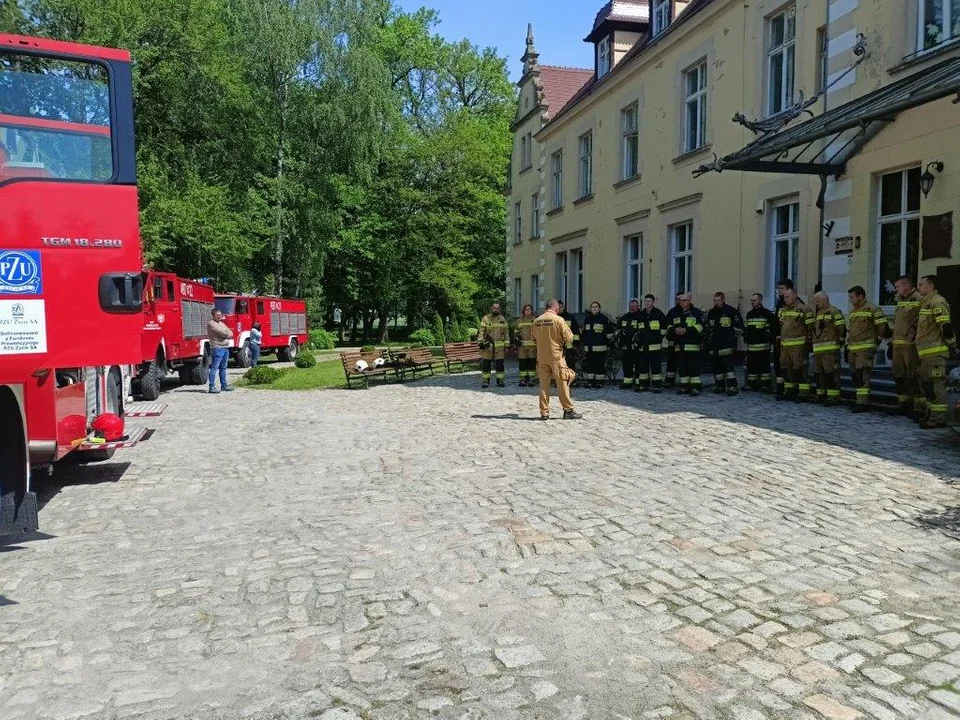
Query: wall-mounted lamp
[
  {"x": 926, "y": 180},
  {"x": 828, "y": 228}
]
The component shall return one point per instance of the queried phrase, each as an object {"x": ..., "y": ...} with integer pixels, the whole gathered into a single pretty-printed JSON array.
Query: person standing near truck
[
  {"x": 220, "y": 337},
  {"x": 256, "y": 340}
]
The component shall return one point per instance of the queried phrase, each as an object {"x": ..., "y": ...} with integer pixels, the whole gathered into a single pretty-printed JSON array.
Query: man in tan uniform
[
  {"x": 903, "y": 348},
  {"x": 829, "y": 333},
  {"x": 552, "y": 335},
  {"x": 494, "y": 338},
  {"x": 867, "y": 326},
  {"x": 936, "y": 344}
]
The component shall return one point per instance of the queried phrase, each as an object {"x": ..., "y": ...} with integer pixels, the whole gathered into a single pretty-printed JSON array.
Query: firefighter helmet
[
  {"x": 108, "y": 426},
  {"x": 379, "y": 362},
  {"x": 360, "y": 365}
]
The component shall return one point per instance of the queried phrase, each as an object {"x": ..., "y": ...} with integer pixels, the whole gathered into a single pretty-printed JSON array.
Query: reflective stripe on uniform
[
  {"x": 793, "y": 342},
  {"x": 826, "y": 347},
  {"x": 903, "y": 342},
  {"x": 758, "y": 348},
  {"x": 596, "y": 348},
  {"x": 861, "y": 347},
  {"x": 931, "y": 350}
]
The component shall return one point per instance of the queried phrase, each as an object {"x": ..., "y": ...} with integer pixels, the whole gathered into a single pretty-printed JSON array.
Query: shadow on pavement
[
  {"x": 68, "y": 474},
  {"x": 507, "y": 416},
  {"x": 946, "y": 521}
]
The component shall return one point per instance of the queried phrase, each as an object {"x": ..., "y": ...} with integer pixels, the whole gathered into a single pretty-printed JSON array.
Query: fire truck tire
[
  {"x": 150, "y": 382},
  {"x": 243, "y": 359},
  {"x": 13, "y": 461},
  {"x": 199, "y": 371},
  {"x": 289, "y": 353}
]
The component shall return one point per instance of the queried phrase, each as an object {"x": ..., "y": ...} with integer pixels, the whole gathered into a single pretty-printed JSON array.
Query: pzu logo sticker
[{"x": 20, "y": 272}]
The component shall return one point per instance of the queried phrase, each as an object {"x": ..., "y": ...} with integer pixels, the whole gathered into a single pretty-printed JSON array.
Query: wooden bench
[
  {"x": 422, "y": 360},
  {"x": 461, "y": 353},
  {"x": 349, "y": 360}
]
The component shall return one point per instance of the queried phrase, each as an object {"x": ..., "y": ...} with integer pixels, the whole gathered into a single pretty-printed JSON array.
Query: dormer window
[
  {"x": 661, "y": 16},
  {"x": 603, "y": 57}
]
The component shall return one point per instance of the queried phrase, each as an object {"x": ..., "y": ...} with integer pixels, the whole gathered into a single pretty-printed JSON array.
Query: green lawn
[{"x": 326, "y": 374}]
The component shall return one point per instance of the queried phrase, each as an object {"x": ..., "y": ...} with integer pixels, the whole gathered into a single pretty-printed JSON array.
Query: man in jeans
[{"x": 220, "y": 340}]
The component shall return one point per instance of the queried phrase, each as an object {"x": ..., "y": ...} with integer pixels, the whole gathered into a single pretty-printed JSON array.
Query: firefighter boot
[{"x": 572, "y": 415}]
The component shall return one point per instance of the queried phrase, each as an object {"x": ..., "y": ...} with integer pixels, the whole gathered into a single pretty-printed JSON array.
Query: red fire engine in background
[
  {"x": 71, "y": 287},
  {"x": 282, "y": 322},
  {"x": 175, "y": 312}
]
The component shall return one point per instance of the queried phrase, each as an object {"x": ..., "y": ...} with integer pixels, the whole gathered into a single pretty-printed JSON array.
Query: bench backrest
[
  {"x": 350, "y": 359},
  {"x": 421, "y": 356},
  {"x": 461, "y": 350}
]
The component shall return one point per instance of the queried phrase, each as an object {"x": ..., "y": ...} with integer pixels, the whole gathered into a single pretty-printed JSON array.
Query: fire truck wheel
[
  {"x": 289, "y": 353},
  {"x": 150, "y": 382},
  {"x": 199, "y": 371},
  {"x": 13, "y": 461},
  {"x": 243, "y": 359}
]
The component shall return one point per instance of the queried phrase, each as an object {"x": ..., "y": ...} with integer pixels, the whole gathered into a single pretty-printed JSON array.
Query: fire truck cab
[
  {"x": 71, "y": 289},
  {"x": 175, "y": 313},
  {"x": 282, "y": 322}
]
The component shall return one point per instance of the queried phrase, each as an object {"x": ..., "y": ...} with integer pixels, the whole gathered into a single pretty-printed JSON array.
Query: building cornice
[
  {"x": 575, "y": 235},
  {"x": 680, "y": 202},
  {"x": 633, "y": 217}
]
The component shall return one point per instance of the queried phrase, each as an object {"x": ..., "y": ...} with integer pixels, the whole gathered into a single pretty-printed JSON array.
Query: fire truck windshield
[
  {"x": 54, "y": 118},
  {"x": 225, "y": 305}
]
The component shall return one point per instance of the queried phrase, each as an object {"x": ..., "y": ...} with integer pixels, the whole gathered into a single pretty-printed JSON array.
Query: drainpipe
[{"x": 823, "y": 178}]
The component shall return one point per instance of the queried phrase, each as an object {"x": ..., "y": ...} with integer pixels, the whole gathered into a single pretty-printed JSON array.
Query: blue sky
[{"x": 559, "y": 27}]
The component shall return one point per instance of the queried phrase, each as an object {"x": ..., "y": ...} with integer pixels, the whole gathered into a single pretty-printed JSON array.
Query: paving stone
[
  {"x": 882, "y": 676},
  {"x": 938, "y": 673},
  {"x": 514, "y": 657},
  {"x": 697, "y": 638},
  {"x": 949, "y": 639},
  {"x": 949, "y": 700},
  {"x": 887, "y": 623},
  {"x": 830, "y": 708}
]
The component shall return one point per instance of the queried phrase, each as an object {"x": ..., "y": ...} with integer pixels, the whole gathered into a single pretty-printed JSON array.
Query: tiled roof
[
  {"x": 623, "y": 11},
  {"x": 586, "y": 89},
  {"x": 560, "y": 84}
]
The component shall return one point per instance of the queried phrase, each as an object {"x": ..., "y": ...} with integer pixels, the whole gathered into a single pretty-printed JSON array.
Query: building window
[
  {"x": 563, "y": 279},
  {"x": 518, "y": 224},
  {"x": 634, "y": 252},
  {"x": 695, "y": 108},
  {"x": 535, "y": 216},
  {"x": 939, "y": 21},
  {"x": 556, "y": 168},
  {"x": 526, "y": 151},
  {"x": 630, "y": 141},
  {"x": 781, "y": 59},
  {"x": 603, "y": 57},
  {"x": 681, "y": 245},
  {"x": 517, "y": 295},
  {"x": 898, "y": 230},
  {"x": 784, "y": 243},
  {"x": 823, "y": 58},
  {"x": 661, "y": 16},
  {"x": 586, "y": 165},
  {"x": 577, "y": 260},
  {"x": 535, "y": 292}
]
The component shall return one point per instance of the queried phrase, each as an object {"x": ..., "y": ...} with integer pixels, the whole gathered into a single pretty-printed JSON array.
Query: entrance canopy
[{"x": 824, "y": 144}]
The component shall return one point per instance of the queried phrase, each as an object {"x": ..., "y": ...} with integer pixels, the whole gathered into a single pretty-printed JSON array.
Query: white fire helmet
[
  {"x": 379, "y": 363},
  {"x": 361, "y": 365}
]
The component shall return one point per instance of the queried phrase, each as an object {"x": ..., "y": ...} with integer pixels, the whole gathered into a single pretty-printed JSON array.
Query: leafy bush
[
  {"x": 305, "y": 360},
  {"x": 471, "y": 334},
  {"x": 263, "y": 375},
  {"x": 438, "y": 332},
  {"x": 368, "y": 348},
  {"x": 423, "y": 336},
  {"x": 322, "y": 340},
  {"x": 455, "y": 334}
]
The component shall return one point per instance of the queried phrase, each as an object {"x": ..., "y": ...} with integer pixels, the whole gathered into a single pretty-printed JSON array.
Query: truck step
[
  {"x": 145, "y": 409},
  {"x": 135, "y": 436}
]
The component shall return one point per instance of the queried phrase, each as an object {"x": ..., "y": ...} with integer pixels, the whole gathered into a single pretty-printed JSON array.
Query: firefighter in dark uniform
[
  {"x": 597, "y": 335},
  {"x": 672, "y": 313},
  {"x": 570, "y": 351},
  {"x": 627, "y": 328},
  {"x": 723, "y": 325},
  {"x": 649, "y": 344},
  {"x": 762, "y": 330},
  {"x": 686, "y": 331}
]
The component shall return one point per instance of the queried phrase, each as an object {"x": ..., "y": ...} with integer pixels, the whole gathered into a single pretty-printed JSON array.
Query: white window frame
[
  {"x": 585, "y": 145},
  {"x": 526, "y": 151},
  {"x": 633, "y": 263},
  {"x": 630, "y": 141},
  {"x": 823, "y": 58},
  {"x": 604, "y": 63},
  {"x": 563, "y": 278},
  {"x": 791, "y": 237},
  {"x": 949, "y": 24},
  {"x": 535, "y": 292},
  {"x": 661, "y": 15},
  {"x": 535, "y": 215},
  {"x": 517, "y": 294},
  {"x": 903, "y": 217},
  {"x": 785, "y": 50},
  {"x": 523, "y": 152},
  {"x": 678, "y": 256},
  {"x": 518, "y": 223},
  {"x": 556, "y": 186},
  {"x": 695, "y": 102}
]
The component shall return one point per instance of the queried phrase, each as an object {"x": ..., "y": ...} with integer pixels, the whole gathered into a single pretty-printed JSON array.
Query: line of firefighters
[{"x": 922, "y": 341}]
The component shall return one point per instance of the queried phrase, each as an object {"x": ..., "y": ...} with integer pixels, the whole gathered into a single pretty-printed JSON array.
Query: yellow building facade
[{"x": 615, "y": 190}]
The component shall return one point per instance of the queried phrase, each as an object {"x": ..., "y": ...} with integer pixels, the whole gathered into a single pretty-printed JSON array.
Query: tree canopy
[{"x": 334, "y": 149}]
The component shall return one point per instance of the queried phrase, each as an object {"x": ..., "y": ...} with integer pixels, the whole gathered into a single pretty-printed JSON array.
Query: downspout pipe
[{"x": 821, "y": 198}]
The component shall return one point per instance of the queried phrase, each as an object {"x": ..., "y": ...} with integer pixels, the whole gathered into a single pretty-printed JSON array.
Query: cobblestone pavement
[{"x": 429, "y": 550}]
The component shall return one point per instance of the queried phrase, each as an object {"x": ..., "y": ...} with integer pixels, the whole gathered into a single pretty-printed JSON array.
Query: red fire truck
[
  {"x": 176, "y": 312},
  {"x": 282, "y": 322},
  {"x": 71, "y": 288}
]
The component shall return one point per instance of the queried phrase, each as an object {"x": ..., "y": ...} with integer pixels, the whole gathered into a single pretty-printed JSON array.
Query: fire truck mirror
[{"x": 121, "y": 293}]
